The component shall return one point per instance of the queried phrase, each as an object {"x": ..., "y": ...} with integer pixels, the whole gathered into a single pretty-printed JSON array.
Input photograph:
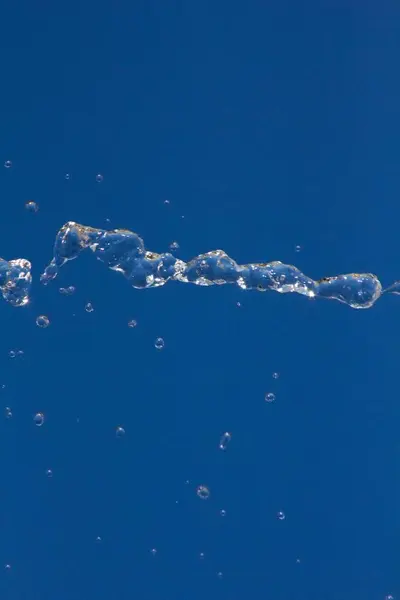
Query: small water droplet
[
  {"x": 99, "y": 177},
  {"x": 49, "y": 473},
  {"x": 12, "y": 354},
  {"x": 159, "y": 343},
  {"x": 222, "y": 513},
  {"x": 120, "y": 432},
  {"x": 67, "y": 176},
  {"x": 98, "y": 540},
  {"x": 42, "y": 321},
  {"x": 68, "y": 291},
  {"x": 153, "y": 551},
  {"x": 298, "y": 248},
  {"x": 281, "y": 515},
  {"x": 89, "y": 307},
  {"x": 224, "y": 441},
  {"x": 203, "y": 492},
  {"x": 270, "y": 397},
  {"x": 8, "y": 164},
  {"x": 239, "y": 304},
  {"x": 167, "y": 202},
  {"x": 7, "y": 567},
  {"x": 132, "y": 323},
  {"x": 8, "y": 412},
  {"x": 174, "y": 246},
  {"x": 31, "y": 206},
  {"x": 38, "y": 419},
  {"x": 275, "y": 375}
]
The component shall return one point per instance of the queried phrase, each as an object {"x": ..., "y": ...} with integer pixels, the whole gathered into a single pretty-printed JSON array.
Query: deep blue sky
[{"x": 267, "y": 125}]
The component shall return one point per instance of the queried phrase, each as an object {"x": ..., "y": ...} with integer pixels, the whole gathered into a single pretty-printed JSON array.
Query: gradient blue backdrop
[{"x": 266, "y": 125}]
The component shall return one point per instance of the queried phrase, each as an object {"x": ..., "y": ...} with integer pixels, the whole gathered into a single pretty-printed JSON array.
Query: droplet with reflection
[
  {"x": 203, "y": 492},
  {"x": 43, "y": 321},
  {"x": 159, "y": 343},
  {"x": 38, "y": 419}
]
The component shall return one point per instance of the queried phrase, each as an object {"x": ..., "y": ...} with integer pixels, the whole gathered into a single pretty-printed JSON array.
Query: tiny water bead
[
  {"x": 132, "y": 323},
  {"x": 269, "y": 397},
  {"x": 49, "y": 473},
  {"x": 159, "y": 343},
  {"x": 38, "y": 419},
  {"x": 167, "y": 202},
  {"x": 224, "y": 441},
  {"x": 275, "y": 375},
  {"x": 203, "y": 492},
  {"x": 15, "y": 353},
  {"x": 8, "y": 164},
  {"x": 67, "y": 176},
  {"x": 68, "y": 291},
  {"x": 31, "y": 206},
  {"x": 99, "y": 177},
  {"x": 120, "y": 432},
  {"x": 8, "y": 412},
  {"x": 153, "y": 551},
  {"x": 298, "y": 248},
  {"x": 174, "y": 246},
  {"x": 281, "y": 516},
  {"x": 43, "y": 321},
  {"x": 98, "y": 540},
  {"x": 222, "y": 512},
  {"x": 89, "y": 307}
]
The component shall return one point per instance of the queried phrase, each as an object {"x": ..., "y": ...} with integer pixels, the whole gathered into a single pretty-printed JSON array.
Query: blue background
[{"x": 266, "y": 125}]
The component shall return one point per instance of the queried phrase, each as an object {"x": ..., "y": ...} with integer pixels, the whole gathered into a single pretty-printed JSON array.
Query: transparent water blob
[
  {"x": 42, "y": 321},
  {"x": 132, "y": 323},
  {"x": 99, "y": 177},
  {"x": 89, "y": 307},
  {"x": 7, "y": 567},
  {"x": 239, "y": 304},
  {"x": 8, "y": 164},
  {"x": 222, "y": 512},
  {"x": 167, "y": 202},
  {"x": 281, "y": 516},
  {"x": 68, "y": 291},
  {"x": 49, "y": 473},
  {"x": 67, "y": 176},
  {"x": 220, "y": 575},
  {"x": 201, "y": 555},
  {"x": 203, "y": 492},
  {"x": 298, "y": 248},
  {"x": 153, "y": 551},
  {"x": 98, "y": 540},
  {"x": 159, "y": 343},
  {"x": 120, "y": 432},
  {"x": 269, "y": 397},
  {"x": 224, "y": 441},
  {"x": 38, "y": 419},
  {"x": 174, "y": 246},
  {"x": 12, "y": 354},
  {"x": 8, "y": 412},
  {"x": 275, "y": 375},
  {"x": 31, "y": 206}
]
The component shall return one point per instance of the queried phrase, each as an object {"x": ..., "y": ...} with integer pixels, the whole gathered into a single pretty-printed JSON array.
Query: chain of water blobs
[{"x": 124, "y": 251}]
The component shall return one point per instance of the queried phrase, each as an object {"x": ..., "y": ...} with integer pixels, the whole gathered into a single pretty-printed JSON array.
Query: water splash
[
  {"x": 15, "y": 281},
  {"x": 124, "y": 251}
]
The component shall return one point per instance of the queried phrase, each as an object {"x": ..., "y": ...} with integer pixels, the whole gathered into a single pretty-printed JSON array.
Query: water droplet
[
  {"x": 220, "y": 575},
  {"x": 7, "y": 567},
  {"x": 12, "y": 354},
  {"x": 281, "y": 515},
  {"x": 68, "y": 291},
  {"x": 239, "y": 304},
  {"x": 153, "y": 551},
  {"x": 389, "y": 597},
  {"x": 159, "y": 343},
  {"x": 224, "y": 441},
  {"x": 49, "y": 473},
  {"x": 275, "y": 375},
  {"x": 222, "y": 513},
  {"x": 42, "y": 321},
  {"x": 8, "y": 164},
  {"x": 32, "y": 206},
  {"x": 67, "y": 176},
  {"x": 174, "y": 246},
  {"x": 98, "y": 540},
  {"x": 8, "y": 412},
  {"x": 99, "y": 177},
  {"x": 298, "y": 248},
  {"x": 132, "y": 323},
  {"x": 270, "y": 397},
  {"x": 89, "y": 307},
  {"x": 38, "y": 419},
  {"x": 167, "y": 202},
  {"x": 201, "y": 555},
  {"x": 203, "y": 492},
  {"x": 120, "y": 432}
]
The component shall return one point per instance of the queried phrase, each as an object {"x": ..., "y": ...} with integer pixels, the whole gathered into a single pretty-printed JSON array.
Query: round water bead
[
  {"x": 67, "y": 176},
  {"x": 38, "y": 419},
  {"x": 49, "y": 473},
  {"x": 89, "y": 307},
  {"x": 99, "y": 177},
  {"x": 275, "y": 375},
  {"x": 174, "y": 246},
  {"x": 159, "y": 343},
  {"x": 68, "y": 291},
  {"x": 120, "y": 432},
  {"x": 42, "y": 321},
  {"x": 132, "y": 323},
  {"x": 203, "y": 492},
  {"x": 222, "y": 513},
  {"x": 269, "y": 397},
  {"x": 298, "y": 248},
  {"x": 224, "y": 441},
  {"x": 8, "y": 164},
  {"x": 8, "y": 412},
  {"x": 32, "y": 206},
  {"x": 281, "y": 515}
]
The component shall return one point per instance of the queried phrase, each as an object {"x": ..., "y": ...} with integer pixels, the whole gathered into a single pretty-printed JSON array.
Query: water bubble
[
  {"x": 132, "y": 323},
  {"x": 239, "y": 304},
  {"x": 49, "y": 473},
  {"x": 12, "y": 354},
  {"x": 174, "y": 246},
  {"x": 32, "y": 206},
  {"x": 99, "y": 177},
  {"x": 68, "y": 291},
  {"x": 159, "y": 343},
  {"x": 120, "y": 432},
  {"x": 269, "y": 397},
  {"x": 167, "y": 202},
  {"x": 38, "y": 419},
  {"x": 153, "y": 551},
  {"x": 67, "y": 176},
  {"x": 203, "y": 492},
  {"x": 220, "y": 575},
  {"x": 8, "y": 164},
  {"x": 7, "y": 567},
  {"x": 98, "y": 540},
  {"x": 8, "y": 412},
  {"x": 275, "y": 375},
  {"x": 224, "y": 441},
  {"x": 201, "y": 555},
  {"x": 281, "y": 515},
  {"x": 42, "y": 321},
  {"x": 389, "y": 597},
  {"x": 298, "y": 248},
  {"x": 222, "y": 513},
  {"x": 89, "y": 307}
]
